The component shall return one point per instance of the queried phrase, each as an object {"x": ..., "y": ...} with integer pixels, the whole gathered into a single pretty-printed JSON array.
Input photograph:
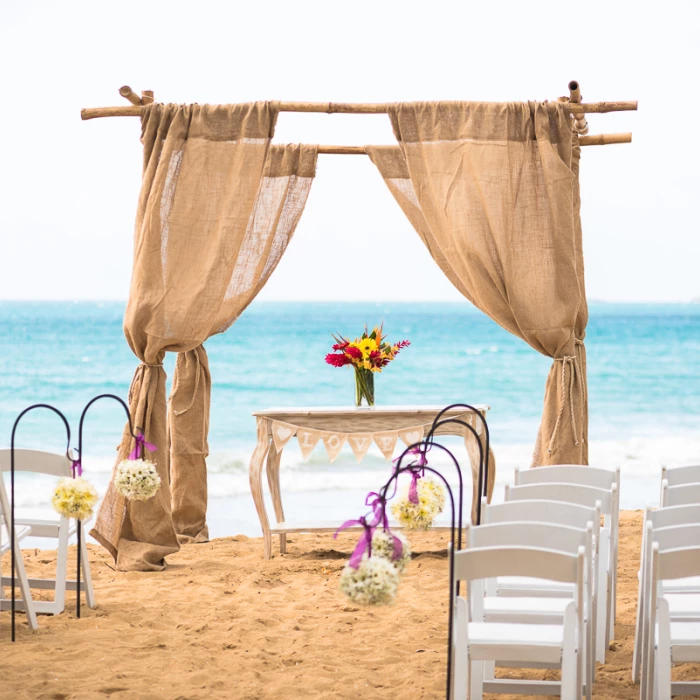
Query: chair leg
[
  {"x": 25, "y": 590},
  {"x": 638, "y": 630},
  {"x": 61, "y": 566},
  {"x": 476, "y": 680},
  {"x": 87, "y": 575},
  {"x": 460, "y": 663}
]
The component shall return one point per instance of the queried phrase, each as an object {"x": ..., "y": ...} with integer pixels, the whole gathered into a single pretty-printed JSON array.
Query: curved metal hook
[
  {"x": 12, "y": 492},
  {"x": 487, "y": 434},
  {"x": 482, "y": 467},
  {"x": 384, "y": 489},
  {"x": 79, "y": 524}
]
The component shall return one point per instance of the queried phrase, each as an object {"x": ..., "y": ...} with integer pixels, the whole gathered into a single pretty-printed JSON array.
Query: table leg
[
  {"x": 273, "y": 480},
  {"x": 257, "y": 463},
  {"x": 473, "y": 452}
]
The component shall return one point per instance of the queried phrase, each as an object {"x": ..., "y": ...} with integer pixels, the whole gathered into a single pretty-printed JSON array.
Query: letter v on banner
[{"x": 360, "y": 443}]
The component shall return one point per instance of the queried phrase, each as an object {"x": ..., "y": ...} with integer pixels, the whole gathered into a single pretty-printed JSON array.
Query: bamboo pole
[
  {"x": 580, "y": 123},
  {"x": 351, "y": 108},
  {"x": 605, "y": 139},
  {"x": 130, "y": 95},
  {"x": 146, "y": 96},
  {"x": 596, "y": 140}
]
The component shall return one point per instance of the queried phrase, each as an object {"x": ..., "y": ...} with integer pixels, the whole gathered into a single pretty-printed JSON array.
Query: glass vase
[{"x": 364, "y": 387}]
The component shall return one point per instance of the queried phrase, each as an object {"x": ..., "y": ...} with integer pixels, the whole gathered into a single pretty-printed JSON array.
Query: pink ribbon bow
[
  {"x": 364, "y": 544},
  {"x": 76, "y": 468}
]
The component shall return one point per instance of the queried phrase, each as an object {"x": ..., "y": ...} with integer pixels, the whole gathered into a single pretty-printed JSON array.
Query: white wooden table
[{"x": 352, "y": 421}]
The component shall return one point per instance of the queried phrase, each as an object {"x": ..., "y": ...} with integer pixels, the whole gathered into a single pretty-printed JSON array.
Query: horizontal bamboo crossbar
[
  {"x": 349, "y": 108},
  {"x": 597, "y": 140}
]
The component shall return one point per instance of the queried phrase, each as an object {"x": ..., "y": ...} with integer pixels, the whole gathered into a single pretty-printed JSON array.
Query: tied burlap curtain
[
  {"x": 216, "y": 210},
  {"x": 492, "y": 190},
  {"x": 289, "y": 172}
]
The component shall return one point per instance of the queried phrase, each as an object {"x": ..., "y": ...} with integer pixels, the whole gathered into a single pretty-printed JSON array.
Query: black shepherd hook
[
  {"x": 382, "y": 493},
  {"x": 79, "y": 524},
  {"x": 484, "y": 454},
  {"x": 12, "y": 493}
]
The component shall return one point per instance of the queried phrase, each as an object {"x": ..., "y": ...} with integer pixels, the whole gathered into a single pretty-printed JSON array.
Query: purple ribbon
[
  {"x": 77, "y": 468},
  {"x": 141, "y": 445},
  {"x": 363, "y": 544},
  {"x": 413, "y": 488}
]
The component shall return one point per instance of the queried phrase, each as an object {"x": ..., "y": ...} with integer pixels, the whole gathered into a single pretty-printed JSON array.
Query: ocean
[{"x": 643, "y": 369}]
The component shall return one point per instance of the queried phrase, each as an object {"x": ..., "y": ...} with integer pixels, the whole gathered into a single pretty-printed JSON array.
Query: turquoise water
[{"x": 644, "y": 364}]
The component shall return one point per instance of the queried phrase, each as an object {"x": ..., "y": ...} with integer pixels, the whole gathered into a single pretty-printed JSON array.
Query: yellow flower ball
[{"x": 74, "y": 498}]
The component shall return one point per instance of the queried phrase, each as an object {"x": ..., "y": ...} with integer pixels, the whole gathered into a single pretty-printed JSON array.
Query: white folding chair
[
  {"x": 669, "y": 641},
  {"x": 537, "y": 610},
  {"x": 677, "y": 476},
  {"x": 21, "y": 531},
  {"x": 586, "y": 476},
  {"x": 661, "y": 519},
  {"x": 683, "y": 606},
  {"x": 559, "y": 513},
  {"x": 60, "y": 528},
  {"x": 681, "y": 495},
  {"x": 518, "y": 645},
  {"x": 586, "y": 496}
]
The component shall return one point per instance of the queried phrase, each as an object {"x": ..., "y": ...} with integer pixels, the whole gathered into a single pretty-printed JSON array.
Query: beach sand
[{"x": 220, "y": 622}]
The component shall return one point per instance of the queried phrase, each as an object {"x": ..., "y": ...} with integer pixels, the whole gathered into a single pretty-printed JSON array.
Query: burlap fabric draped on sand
[
  {"x": 218, "y": 207},
  {"x": 492, "y": 190}
]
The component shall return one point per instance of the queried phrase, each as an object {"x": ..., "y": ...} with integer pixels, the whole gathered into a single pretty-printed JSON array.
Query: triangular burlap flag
[
  {"x": 386, "y": 442},
  {"x": 282, "y": 433},
  {"x": 360, "y": 443},
  {"x": 308, "y": 439},
  {"x": 411, "y": 435},
  {"x": 334, "y": 443}
]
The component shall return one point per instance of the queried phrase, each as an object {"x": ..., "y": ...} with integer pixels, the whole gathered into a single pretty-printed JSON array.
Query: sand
[{"x": 220, "y": 622}]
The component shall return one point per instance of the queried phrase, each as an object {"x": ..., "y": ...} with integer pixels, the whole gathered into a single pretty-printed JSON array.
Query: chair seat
[
  {"x": 683, "y": 605},
  {"x": 49, "y": 528},
  {"x": 685, "y": 642},
  {"x": 538, "y": 587},
  {"x": 515, "y": 642},
  {"x": 21, "y": 532},
  {"x": 537, "y": 607},
  {"x": 682, "y": 585}
]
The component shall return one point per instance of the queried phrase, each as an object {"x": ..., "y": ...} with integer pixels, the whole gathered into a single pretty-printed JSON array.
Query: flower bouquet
[{"x": 367, "y": 355}]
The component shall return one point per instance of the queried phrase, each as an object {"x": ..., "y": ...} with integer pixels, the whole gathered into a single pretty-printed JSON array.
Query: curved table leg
[
  {"x": 255, "y": 470},
  {"x": 273, "y": 480}
]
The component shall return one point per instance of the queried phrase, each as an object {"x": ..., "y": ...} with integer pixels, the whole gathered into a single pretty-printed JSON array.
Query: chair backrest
[
  {"x": 677, "y": 537},
  {"x": 682, "y": 562},
  {"x": 36, "y": 461},
  {"x": 683, "y": 495},
  {"x": 673, "y": 515},
  {"x": 558, "y": 512},
  {"x": 531, "y": 562},
  {"x": 676, "y": 476},
  {"x": 568, "y": 493},
  {"x": 559, "y": 538},
  {"x": 569, "y": 474}
]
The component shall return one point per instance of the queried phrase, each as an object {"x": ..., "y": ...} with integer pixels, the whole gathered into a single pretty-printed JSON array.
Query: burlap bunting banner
[{"x": 386, "y": 440}]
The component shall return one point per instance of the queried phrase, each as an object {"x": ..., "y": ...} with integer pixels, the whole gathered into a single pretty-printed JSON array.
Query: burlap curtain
[
  {"x": 492, "y": 190},
  {"x": 216, "y": 211}
]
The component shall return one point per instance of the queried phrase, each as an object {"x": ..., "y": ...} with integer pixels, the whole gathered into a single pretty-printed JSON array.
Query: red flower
[
  {"x": 341, "y": 346},
  {"x": 355, "y": 353},
  {"x": 401, "y": 345},
  {"x": 337, "y": 360}
]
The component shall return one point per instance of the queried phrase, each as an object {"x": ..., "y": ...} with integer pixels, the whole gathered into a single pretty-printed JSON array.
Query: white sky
[{"x": 69, "y": 188}]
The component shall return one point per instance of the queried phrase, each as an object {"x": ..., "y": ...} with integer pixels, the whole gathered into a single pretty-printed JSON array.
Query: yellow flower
[{"x": 367, "y": 345}]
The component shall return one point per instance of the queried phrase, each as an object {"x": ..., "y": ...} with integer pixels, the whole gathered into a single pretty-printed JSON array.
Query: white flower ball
[
  {"x": 383, "y": 547},
  {"x": 374, "y": 582},
  {"x": 136, "y": 479},
  {"x": 420, "y": 516},
  {"x": 74, "y": 498}
]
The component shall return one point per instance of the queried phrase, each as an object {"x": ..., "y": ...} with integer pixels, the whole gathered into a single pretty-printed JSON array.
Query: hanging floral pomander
[
  {"x": 136, "y": 478},
  {"x": 383, "y": 548},
  {"x": 419, "y": 506},
  {"x": 74, "y": 498},
  {"x": 374, "y": 582}
]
